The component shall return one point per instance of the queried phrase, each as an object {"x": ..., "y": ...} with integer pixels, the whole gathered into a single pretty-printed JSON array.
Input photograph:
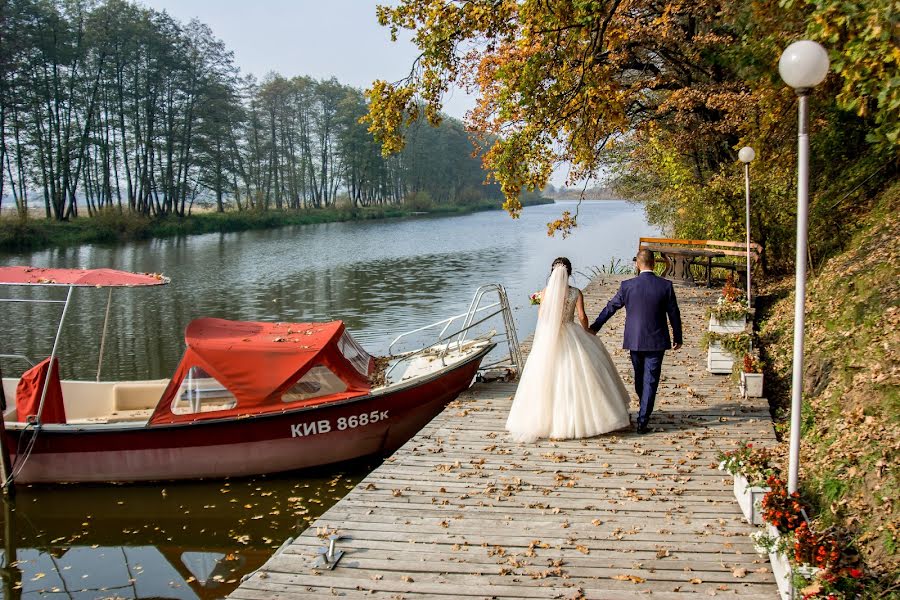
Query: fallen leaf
[{"x": 631, "y": 578}]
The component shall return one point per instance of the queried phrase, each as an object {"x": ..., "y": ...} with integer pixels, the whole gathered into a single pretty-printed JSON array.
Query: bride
[{"x": 569, "y": 387}]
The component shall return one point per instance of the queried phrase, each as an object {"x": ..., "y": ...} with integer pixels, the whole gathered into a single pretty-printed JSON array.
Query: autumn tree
[{"x": 661, "y": 93}]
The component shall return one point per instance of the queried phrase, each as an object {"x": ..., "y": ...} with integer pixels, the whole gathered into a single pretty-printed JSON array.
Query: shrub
[{"x": 419, "y": 201}]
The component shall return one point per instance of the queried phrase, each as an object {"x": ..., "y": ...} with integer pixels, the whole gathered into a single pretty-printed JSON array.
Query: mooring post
[
  {"x": 6, "y": 475},
  {"x": 10, "y": 574}
]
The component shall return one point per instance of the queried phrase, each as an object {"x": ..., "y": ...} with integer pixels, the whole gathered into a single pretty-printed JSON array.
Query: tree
[
  {"x": 664, "y": 93},
  {"x": 111, "y": 105}
]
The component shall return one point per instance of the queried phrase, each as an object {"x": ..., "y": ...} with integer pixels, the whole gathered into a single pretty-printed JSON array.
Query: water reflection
[
  {"x": 158, "y": 540},
  {"x": 195, "y": 540}
]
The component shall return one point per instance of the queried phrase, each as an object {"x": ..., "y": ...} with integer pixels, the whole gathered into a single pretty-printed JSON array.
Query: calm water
[{"x": 195, "y": 540}]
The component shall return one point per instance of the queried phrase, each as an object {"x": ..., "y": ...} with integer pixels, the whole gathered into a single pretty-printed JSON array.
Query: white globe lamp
[
  {"x": 803, "y": 65},
  {"x": 746, "y": 156}
]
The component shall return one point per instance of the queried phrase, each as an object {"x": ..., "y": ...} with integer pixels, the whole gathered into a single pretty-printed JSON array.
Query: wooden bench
[{"x": 705, "y": 253}]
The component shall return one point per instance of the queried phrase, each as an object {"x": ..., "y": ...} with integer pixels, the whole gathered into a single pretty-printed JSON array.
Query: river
[{"x": 195, "y": 540}]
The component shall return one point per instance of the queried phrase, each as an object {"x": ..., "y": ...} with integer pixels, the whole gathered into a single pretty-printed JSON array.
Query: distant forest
[
  {"x": 597, "y": 192},
  {"x": 112, "y": 104}
]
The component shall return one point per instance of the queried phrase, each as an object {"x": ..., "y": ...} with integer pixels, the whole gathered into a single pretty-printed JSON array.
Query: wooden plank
[
  {"x": 306, "y": 546},
  {"x": 462, "y": 511},
  {"x": 481, "y": 586},
  {"x": 753, "y": 245},
  {"x": 401, "y": 564}
]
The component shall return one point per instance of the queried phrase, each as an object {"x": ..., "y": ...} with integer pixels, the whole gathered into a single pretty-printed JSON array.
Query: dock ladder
[{"x": 478, "y": 314}]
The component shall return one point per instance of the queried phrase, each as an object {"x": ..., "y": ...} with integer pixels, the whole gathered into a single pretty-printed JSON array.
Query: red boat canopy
[
  {"x": 237, "y": 368},
  {"x": 78, "y": 277}
]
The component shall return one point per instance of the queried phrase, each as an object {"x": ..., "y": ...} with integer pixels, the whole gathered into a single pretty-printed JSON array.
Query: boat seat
[
  {"x": 138, "y": 395},
  {"x": 119, "y": 416}
]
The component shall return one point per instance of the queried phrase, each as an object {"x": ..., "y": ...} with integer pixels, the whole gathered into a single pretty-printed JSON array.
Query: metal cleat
[{"x": 328, "y": 557}]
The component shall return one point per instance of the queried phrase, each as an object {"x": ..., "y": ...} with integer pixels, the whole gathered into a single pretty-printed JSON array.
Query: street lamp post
[
  {"x": 746, "y": 155},
  {"x": 803, "y": 65}
]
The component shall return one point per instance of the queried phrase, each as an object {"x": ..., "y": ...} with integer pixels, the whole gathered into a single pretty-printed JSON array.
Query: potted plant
[
  {"x": 783, "y": 512},
  {"x": 751, "y": 377},
  {"x": 729, "y": 315},
  {"x": 807, "y": 564},
  {"x": 722, "y": 348},
  {"x": 820, "y": 569},
  {"x": 731, "y": 292},
  {"x": 750, "y": 467}
]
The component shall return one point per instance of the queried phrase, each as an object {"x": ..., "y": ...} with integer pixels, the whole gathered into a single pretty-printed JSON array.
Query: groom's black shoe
[{"x": 642, "y": 428}]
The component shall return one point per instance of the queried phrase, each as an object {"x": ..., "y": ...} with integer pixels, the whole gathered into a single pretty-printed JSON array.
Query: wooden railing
[{"x": 734, "y": 254}]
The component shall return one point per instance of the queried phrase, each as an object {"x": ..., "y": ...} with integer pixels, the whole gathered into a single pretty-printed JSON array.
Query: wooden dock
[{"x": 461, "y": 511}]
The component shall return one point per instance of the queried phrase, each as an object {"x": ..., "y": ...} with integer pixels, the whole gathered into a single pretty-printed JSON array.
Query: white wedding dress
[{"x": 569, "y": 387}]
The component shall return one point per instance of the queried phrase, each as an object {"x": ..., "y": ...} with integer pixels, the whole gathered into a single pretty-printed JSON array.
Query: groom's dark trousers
[
  {"x": 647, "y": 370},
  {"x": 648, "y": 300}
]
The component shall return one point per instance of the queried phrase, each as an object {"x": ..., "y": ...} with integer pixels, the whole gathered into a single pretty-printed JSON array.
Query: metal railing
[
  {"x": 445, "y": 341},
  {"x": 22, "y": 357}
]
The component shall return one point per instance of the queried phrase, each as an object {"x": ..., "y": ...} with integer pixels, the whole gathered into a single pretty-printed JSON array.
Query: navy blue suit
[{"x": 648, "y": 300}]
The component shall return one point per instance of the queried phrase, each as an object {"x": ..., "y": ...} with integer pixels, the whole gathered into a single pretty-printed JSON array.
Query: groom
[{"x": 647, "y": 299}]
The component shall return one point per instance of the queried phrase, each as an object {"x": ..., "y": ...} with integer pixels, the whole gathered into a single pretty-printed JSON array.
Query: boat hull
[{"x": 269, "y": 443}]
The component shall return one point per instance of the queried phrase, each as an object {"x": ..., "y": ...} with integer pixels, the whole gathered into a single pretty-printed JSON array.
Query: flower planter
[
  {"x": 751, "y": 385},
  {"x": 748, "y": 498},
  {"x": 727, "y": 326},
  {"x": 781, "y": 569},
  {"x": 719, "y": 360}
]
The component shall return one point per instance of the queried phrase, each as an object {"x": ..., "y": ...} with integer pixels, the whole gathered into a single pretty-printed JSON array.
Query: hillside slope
[{"x": 851, "y": 416}]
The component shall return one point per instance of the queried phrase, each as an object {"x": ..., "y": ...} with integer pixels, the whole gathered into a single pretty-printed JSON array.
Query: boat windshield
[
  {"x": 354, "y": 353},
  {"x": 201, "y": 392},
  {"x": 318, "y": 381}
]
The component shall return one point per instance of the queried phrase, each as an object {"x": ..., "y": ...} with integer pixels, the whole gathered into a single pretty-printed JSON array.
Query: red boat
[{"x": 247, "y": 398}]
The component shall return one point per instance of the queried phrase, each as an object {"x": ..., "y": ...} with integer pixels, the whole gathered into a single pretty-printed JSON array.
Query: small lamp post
[
  {"x": 746, "y": 155},
  {"x": 803, "y": 65}
]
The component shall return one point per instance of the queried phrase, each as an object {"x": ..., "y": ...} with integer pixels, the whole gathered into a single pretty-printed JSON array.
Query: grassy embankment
[
  {"x": 113, "y": 226},
  {"x": 851, "y": 412}
]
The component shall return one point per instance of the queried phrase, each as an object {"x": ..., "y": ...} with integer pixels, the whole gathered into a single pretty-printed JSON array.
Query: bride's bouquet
[{"x": 535, "y": 298}]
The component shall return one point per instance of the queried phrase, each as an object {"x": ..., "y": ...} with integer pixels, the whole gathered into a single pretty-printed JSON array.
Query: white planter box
[
  {"x": 719, "y": 360},
  {"x": 748, "y": 498},
  {"x": 730, "y": 326},
  {"x": 781, "y": 568},
  {"x": 751, "y": 385}
]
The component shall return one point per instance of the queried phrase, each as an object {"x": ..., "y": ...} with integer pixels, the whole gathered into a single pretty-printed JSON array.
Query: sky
[{"x": 319, "y": 38}]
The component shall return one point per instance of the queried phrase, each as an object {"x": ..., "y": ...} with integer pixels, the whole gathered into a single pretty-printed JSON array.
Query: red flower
[{"x": 855, "y": 573}]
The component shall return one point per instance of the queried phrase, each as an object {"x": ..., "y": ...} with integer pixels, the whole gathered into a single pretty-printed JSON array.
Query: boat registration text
[{"x": 326, "y": 425}]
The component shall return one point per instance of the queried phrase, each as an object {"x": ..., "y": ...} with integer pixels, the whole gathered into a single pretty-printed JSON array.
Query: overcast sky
[{"x": 320, "y": 38}]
